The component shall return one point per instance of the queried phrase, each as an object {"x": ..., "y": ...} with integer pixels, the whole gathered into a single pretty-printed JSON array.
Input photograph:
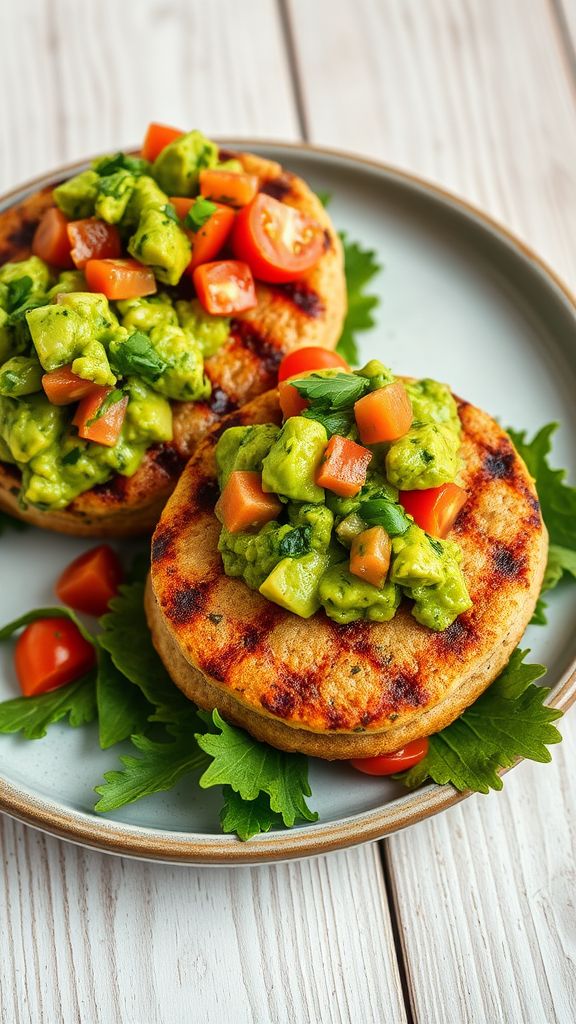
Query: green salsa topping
[
  {"x": 301, "y": 559},
  {"x": 151, "y": 350}
]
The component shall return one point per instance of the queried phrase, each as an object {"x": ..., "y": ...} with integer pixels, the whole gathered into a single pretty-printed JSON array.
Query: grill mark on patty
[
  {"x": 245, "y": 334},
  {"x": 278, "y": 700},
  {"x": 244, "y": 640},
  {"x": 509, "y": 562},
  {"x": 162, "y": 542},
  {"x": 303, "y": 297},
  {"x": 185, "y": 602},
  {"x": 459, "y": 636},
  {"x": 168, "y": 459},
  {"x": 279, "y": 188},
  {"x": 205, "y": 496},
  {"x": 499, "y": 463},
  {"x": 220, "y": 402},
  {"x": 112, "y": 491}
]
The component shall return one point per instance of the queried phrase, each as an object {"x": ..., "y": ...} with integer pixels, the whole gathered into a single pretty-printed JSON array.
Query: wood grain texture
[
  {"x": 479, "y": 97},
  {"x": 98, "y": 939},
  {"x": 96, "y": 73}
]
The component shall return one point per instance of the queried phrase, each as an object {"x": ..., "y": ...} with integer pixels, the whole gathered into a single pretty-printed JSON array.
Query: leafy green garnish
[
  {"x": 121, "y": 162},
  {"x": 136, "y": 356},
  {"x": 33, "y": 715},
  {"x": 199, "y": 213},
  {"x": 360, "y": 266},
  {"x": 332, "y": 394},
  {"x": 295, "y": 543},
  {"x": 17, "y": 293},
  {"x": 333, "y": 422},
  {"x": 380, "y": 512},
  {"x": 508, "y": 721},
  {"x": 122, "y": 709},
  {"x": 248, "y": 818},
  {"x": 170, "y": 211},
  {"x": 112, "y": 398},
  {"x": 160, "y": 766},
  {"x": 251, "y": 769},
  {"x": 138, "y": 661},
  {"x": 558, "y": 504}
]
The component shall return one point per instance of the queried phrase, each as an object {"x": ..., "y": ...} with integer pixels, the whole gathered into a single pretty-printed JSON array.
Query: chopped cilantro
[{"x": 200, "y": 212}]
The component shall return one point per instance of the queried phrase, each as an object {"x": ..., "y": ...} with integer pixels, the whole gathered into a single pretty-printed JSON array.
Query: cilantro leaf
[
  {"x": 137, "y": 356},
  {"x": 252, "y": 768},
  {"x": 325, "y": 198},
  {"x": 247, "y": 818},
  {"x": 200, "y": 212},
  {"x": 127, "y": 639},
  {"x": 107, "y": 165},
  {"x": 360, "y": 266},
  {"x": 112, "y": 398},
  {"x": 332, "y": 394},
  {"x": 159, "y": 768},
  {"x": 122, "y": 709},
  {"x": 508, "y": 721},
  {"x": 32, "y": 715},
  {"x": 17, "y": 292},
  {"x": 333, "y": 422},
  {"x": 295, "y": 543},
  {"x": 380, "y": 512}
]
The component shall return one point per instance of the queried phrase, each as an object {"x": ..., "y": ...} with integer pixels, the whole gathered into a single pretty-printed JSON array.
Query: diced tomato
[
  {"x": 229, "y": 187},
  {"x": 212, "y": 236},
  {"x": 182, "y": 204},
  {"x": 291, "y": 403},
  {"x": 93, "y": 239},
  {"x": 51, "y": 242},
  {"x": 157, "y": 137},
  {"x": 279, "y": 242},
  {"x": 384, "y": 415},
  {"x": 436, "y": 508},
  {"x": 120, "y": 279},
  {"x": 343, "y": 467},
  {"x": 305, "y": 360},
  {"x": 105, "y": 427},
  {"x": 63, "y": 387},
  {"x": 389, "y": 764},
  {"x": 225, "y": 287},
  {"x": 244, "y": 505},
  {"x": 90, "y": 582},
  {"x": 370, "y": 555},
  {"x": 51, "y": 653}
]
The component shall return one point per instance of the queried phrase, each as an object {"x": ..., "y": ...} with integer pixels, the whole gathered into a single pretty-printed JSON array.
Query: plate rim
[{"x": 109, "y": 836}]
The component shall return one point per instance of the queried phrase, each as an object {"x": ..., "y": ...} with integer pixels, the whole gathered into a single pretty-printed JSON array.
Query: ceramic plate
[{"x": 461, "y": 301}]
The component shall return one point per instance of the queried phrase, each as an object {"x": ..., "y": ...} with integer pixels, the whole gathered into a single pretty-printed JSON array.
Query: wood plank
[
  {"x": 475, "y": 96},
  {"x": 97, "y": 73},
  {"x": 479, "y": 98},
  {"x": 97, "y": 938}
]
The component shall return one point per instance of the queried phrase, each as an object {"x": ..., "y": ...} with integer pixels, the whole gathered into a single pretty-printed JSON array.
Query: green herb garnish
[
  {"x": 360, "y": 266},
  {"x": 199, "y": 213},
  {"x": 380, "y": 512},
  {"x": 136, "y": 356},
  {"x": 295, "y": 543},
  {"x": 332, "y": 394}
]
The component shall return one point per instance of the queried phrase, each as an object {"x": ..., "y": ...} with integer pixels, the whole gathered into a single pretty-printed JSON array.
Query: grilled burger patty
[
  {"x": 362, "y": 689},
  {"x": 286, "y": 317}
]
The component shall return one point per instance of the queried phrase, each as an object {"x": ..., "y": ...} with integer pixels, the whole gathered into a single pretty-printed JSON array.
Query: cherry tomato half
[
  {"x": 51, "y": 653},
  {"x": 90, "y": 582},
  {"x": 389, "y": 764},
  {"x": 225, "y": 287},
  {"x": 305, "y": 360},
  {"x": 278, "y": 242}
]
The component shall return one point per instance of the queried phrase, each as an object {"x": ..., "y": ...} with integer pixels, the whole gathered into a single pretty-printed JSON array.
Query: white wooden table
[{"x": 469, "y": 917}]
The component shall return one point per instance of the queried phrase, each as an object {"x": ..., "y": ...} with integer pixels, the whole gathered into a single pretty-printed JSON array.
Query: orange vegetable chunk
[
  {"x": 230, "y": 187},
  {"x": 435, "y": 509},
  {"x": 51, "y": 242},
  {"x": 157, "y": 137},
  {"x": 63, "y": 387},
  {"x": 384, "y": 415},
  {"x": 102, "y": 428},
  {"x": 290, "y": 401},
  {"x": 90, "y": 582},
  {"x": 120, "y": 279},
  {"x": 244, "y": 505},
  {"x": 93, "y": 239},
  {"x": 370, "y": 555},
  {"x": 343, "y": 467}
]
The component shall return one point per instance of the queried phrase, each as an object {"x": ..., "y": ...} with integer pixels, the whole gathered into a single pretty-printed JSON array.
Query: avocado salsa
[
  {"x": 324, "y": 532},
  {"x": 144, "y": 352}
]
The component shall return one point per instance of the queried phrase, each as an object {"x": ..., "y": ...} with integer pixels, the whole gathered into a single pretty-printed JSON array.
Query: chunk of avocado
[
  {"x": 244, "y": 448},
  {"x": 178, "y": 166},
  {"x": 290, "y": 467},
  {"x": 160, "y": 243},
  {"x": 113, "y": 196},
  {"x": 77, "y": 196},
  {"x": 294, "y": 582},
  {"x": 20, "y": 375}
]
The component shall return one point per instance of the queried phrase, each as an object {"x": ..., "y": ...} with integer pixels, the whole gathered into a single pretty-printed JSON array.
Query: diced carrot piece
[
  {"x": 225, "y": 287},
  {"x": 230, "y": 187},
  {"x": 93, "y": 239},
  {"x": 104, "y": 428},
  {"x": 290, "y": 401},
  {"x": 244, "y": 505},
  {"x": 157, "y": 137},
  {"x": 51, "y": 242},
  {"x": 384, "y": 415},
  {"x": 370, "y": 555},
  {"x": 63, "y": 387},
  {"x": 435, "y": 509},
  {"x": 343, "y": 467},
  {"x": 119, "y": 279}
]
